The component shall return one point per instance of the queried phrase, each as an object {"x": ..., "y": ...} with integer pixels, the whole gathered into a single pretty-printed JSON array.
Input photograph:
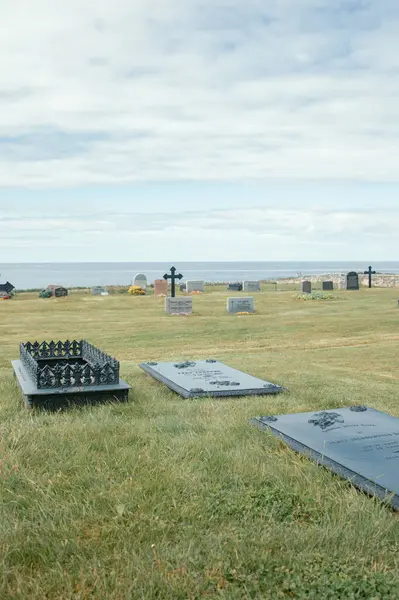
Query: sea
[{"x": 38, "y": 275}]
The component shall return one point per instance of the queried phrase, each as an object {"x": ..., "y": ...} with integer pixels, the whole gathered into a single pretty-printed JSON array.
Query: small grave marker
[
  {"x": 141, "y": 280},
  {"x": 306, "y": 287},
  {"x": 195, "y": 286},
  {"x": 234, "y": 287},
  {"x": 160, "y": 287},
  {"x": 327, "y": 286},
  {"x": 251, "y": 286},
  {"x": 235, "y": 305}
]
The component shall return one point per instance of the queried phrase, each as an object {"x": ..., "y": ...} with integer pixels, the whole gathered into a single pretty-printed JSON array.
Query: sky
[{"x": 186, "y": 130}]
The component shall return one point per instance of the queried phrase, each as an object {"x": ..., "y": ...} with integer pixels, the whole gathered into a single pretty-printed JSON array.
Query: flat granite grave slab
[
  {"x": 193, "y": 379},
  {"x": 358, "y": 443},
  {"x": 53, "y": 374}
]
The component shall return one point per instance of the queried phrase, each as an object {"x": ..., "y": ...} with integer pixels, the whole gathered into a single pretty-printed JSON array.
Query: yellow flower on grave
[
  {"x": 136, "y": 290},
  {"x": 242, "y": 313}
]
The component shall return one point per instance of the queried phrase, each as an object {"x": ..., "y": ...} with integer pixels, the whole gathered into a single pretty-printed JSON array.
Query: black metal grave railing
[{"x": 68, "y": 364}]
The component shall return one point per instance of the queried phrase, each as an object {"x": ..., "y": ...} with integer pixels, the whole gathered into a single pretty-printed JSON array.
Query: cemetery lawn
[{"x": 170, "y": 498}]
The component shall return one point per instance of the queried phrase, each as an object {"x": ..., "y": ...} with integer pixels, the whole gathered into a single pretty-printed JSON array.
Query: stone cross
[
  {"x": 369, "y": 272},
  {"x": 172, "y": 276}
]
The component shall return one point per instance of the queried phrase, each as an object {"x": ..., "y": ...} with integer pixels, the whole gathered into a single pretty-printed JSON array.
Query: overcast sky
[{"x": 199, "y": 129}]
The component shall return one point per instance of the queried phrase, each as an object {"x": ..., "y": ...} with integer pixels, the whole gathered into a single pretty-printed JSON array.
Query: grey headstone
[
  {"x": 358, "y": 443},
  {"x": 352, "y": 281},
  {"x": 182, "y": 287},
  {"x": 209, "y": 377},
  {"x": 99, "y": 290},
  {"x": 179, "y": 305},
  {"x": 251, "y": 286},
  {"x": 306, "y": 287},
  {"x": 328, "y": 285},
  {"x": 141, "y": 280},
  {"x": 235, "y": 305},
  {"x": 195, "y": 286}
]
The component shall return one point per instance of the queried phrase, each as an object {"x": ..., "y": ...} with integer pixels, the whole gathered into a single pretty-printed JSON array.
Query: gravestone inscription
[
  {"x": 306, "y": 287},
  {"x": 327, "y": 286},
  {"x": 359, "y": 443},
  {"x": 251, "y": 286},
  {"x": 210, "y": 377},
  {"x": 352, "y": 281},
  {"x": 178, "y": 305}
]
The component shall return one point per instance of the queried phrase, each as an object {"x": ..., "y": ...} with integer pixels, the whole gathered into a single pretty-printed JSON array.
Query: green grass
[{"x": 170, "y": 498}]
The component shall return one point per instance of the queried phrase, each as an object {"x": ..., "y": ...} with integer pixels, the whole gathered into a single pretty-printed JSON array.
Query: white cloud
[{"x": 119, "y": 91}]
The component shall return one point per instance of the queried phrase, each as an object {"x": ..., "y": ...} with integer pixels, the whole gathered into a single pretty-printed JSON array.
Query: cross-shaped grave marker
[
  {"x": 369, "y": 272},
  {"x": 172, "y": 276}
]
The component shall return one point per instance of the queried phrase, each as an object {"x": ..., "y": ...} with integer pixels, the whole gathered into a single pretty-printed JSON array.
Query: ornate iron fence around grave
[{"x": 63, "y": 370}]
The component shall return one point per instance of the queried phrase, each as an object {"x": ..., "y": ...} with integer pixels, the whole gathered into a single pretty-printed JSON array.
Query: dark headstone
[
  {"x": 328, "y": 285},
  {"x": 7, "y": 287},
  {"x": 306, "y": 287},
  {"x": 51, "y": 374},
  {"x": 235, "y": 287},
  {"x": 210, "y": 377},
  {"x": 352, "y": 281},
  {"x": 358, "y": 443},
  {"x": 182, "y": 287}
]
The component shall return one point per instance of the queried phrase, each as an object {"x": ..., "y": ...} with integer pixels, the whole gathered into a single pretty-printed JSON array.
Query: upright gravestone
[
  {"x": 195, "y": 286},
  {"x": 352, "y": 281},
  {"x": 328, "y": 285},
  {"x": 251, "y": 286},
  {"x": 306, "y": 287},
  {"x": 141, "y": 280},
  {"x": 180, "y": 305},
  {"x": 160, "y": 287},
  {"x": 234, "y": 287},
  {"x": 99, "y": 290},
  {"x": 236, "y": 305},
  {"x": 182, "y": 287},
  {"x": 358, "y": 443}
]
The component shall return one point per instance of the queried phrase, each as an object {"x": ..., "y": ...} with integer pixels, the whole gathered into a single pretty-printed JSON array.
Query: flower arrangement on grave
[
  {"x": 136, "y": 290},
  {"x": 195, "y": 293},
  {"x": 240, "y": 314},
  {"x": 316, "y": 296}
]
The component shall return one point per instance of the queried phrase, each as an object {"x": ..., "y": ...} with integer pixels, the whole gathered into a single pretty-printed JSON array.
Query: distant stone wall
[{"x": 378, "y": 280}]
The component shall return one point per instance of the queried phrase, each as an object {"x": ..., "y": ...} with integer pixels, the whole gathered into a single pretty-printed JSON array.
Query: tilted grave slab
[
  {"x": 193, "y": 379},
  {"x": 358, "y": 443},
  {"x": 56, "y": 373}
]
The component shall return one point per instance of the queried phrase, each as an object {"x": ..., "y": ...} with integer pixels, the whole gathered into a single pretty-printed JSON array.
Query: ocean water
[{"x": 39, "y": 275}]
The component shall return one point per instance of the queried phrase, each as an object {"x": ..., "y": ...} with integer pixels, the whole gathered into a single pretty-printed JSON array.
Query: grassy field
[{"x": 170, "y": 498}]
